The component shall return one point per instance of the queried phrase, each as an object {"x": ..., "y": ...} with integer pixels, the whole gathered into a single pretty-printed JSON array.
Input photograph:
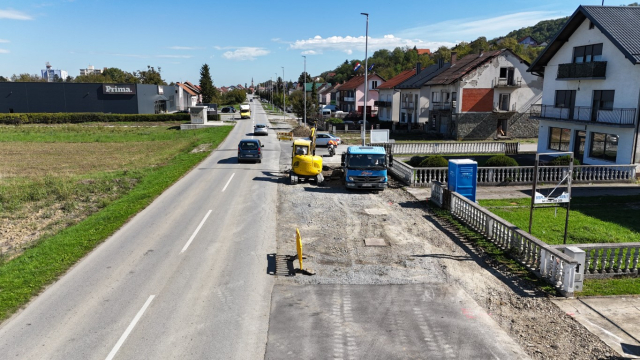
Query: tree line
[{"x": 108, "y": 75}]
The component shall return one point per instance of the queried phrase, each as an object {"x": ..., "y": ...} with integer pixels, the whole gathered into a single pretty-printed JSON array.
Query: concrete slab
[
  {"x": 422, "y": 321},
  {"x": 376, "y": 211},
  {"x": 615, "y": 320},
  {"x": 374, "y": 242},
  {"x": 203, "y": 126}
]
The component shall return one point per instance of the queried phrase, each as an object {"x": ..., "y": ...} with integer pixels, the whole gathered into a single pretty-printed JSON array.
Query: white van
[{"x": 326, "y": 113}]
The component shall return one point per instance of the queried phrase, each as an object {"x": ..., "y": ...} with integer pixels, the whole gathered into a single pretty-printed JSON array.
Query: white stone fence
[
  {"x": 452, "y": 148},
  {"x": 518, "y": 175},
  {"x": 608, "y": 260},
  {"x": 551, "y": 264}
]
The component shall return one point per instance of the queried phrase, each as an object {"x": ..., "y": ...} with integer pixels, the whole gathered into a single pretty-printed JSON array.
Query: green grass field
[{"x": 75, "y": 185}]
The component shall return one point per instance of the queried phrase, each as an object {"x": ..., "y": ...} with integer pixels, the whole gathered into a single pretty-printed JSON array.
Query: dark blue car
[{"x": 250, "y": 150}]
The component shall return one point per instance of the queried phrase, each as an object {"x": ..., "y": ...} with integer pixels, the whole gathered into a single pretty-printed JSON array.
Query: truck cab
[
  {"x": 245, "y": 111},
  {"x": 365, "y": 167}
]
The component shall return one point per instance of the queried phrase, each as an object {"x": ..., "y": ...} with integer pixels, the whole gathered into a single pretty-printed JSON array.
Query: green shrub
[
  {"x": 434, "y": 161},
  {"x": 563, "y": 160},
  {"x": 501, "y": 160},
  {"x": 335, "y": 121},
  {"x": 74, "y": 118},
  {"x": 416, "y": 160}
]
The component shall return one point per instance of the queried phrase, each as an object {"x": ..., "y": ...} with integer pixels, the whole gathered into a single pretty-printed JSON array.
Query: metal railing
[
  {"x": 617, "y": 116},
  {"x": 596, "y": 69},
  {"x": 380, "y": 103},
  {"x": 348, "y": 99},
  {"x": 608, "y": 260},
  {"x": 523, "y": 175},
  {"x": 551, "y": 264},
  {"x": 504, "y": 82},
  {"x": 443, "y": 105},
  {"x": 407, "y": 105}
]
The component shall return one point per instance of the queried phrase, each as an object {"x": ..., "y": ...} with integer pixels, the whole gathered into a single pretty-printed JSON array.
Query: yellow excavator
[{"x": 304, "y": 162}]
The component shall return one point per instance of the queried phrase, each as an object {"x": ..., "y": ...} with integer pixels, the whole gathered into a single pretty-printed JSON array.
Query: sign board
[
  {"x": 379, "y": 136},
  {"x": 541, "y": 199},
  {"x": 118, "y": 89}
]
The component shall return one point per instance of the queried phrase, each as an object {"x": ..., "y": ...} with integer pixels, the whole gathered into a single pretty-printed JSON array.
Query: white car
[{"x": 323, "y": 139}]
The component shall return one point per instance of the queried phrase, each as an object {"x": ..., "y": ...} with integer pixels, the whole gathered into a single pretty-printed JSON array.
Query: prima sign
[{"x": 118, "y": 89}]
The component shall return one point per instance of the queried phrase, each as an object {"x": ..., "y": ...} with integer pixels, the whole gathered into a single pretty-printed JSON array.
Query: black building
[{"x": 36, "y": 97}]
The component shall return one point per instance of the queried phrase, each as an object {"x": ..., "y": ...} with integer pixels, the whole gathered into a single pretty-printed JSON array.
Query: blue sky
[{"x": 241, "y": 40}]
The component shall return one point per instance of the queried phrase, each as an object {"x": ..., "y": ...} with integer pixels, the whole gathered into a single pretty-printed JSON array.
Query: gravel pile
[{"x": 420, "y": 248}]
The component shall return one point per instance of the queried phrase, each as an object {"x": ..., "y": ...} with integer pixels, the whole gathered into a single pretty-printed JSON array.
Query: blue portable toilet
[{"x": 463, "y": 177}]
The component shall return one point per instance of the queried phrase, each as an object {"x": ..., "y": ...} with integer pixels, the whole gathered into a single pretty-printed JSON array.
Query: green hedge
[
  {"x": 563, "y": 160},
  {"x": 72, "y": 118},
  {"x": 501, "y": 160},
  {"x": 434, "y": 161}
]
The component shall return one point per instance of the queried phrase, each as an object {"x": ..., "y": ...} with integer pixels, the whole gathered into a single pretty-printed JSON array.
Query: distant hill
[{"x": 543, "y": 31}]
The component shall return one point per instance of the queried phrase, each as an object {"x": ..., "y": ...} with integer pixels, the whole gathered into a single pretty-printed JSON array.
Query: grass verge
[
  {"x": 40, "y": 265},
  {"x": 604, "y": 287}
]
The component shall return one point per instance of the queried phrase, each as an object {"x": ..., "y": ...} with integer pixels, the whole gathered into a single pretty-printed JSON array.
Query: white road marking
[
  {"x": 195, "y": 232},
  {"x": 225, "y": 187},
  {"x": 129, "y": 328}
]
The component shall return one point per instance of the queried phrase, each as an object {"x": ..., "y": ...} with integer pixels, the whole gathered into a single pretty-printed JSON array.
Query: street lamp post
[
  {"x": 284, "y": 96},
  {"x": 276, "y": 81},
  {"x": 366, "y": 83},
  {"x": 305, "y": 90},
  {"x": 271, "y": 92}
]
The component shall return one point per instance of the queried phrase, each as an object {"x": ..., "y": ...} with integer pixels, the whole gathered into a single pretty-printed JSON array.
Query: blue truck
[{"x": 365, "y": 167}]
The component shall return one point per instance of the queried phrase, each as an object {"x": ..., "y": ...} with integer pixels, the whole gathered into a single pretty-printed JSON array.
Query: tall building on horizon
[{"x": 49, "y": 73}]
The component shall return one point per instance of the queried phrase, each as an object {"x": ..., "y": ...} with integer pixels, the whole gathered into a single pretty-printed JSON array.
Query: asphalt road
[{"x": 185, "y": 279}]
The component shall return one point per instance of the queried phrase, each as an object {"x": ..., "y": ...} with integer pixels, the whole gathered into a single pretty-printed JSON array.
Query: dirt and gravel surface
[{"x": 420, "y": 248}]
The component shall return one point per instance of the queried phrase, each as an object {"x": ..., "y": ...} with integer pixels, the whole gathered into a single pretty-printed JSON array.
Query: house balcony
[
  {"x": 348, "y": 99},
  {"x": 443, "y": 105},
  {"x": 619, "y": 117},
  {"x": 407, "y": 105},
  {"x": 581, "y": 71},
  {"x": 507, "y": 83},
  {"x": 382, "y": 103}
]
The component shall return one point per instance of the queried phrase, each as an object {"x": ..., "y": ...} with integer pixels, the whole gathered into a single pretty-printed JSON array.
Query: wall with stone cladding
[{"x": 482, "y": 126}]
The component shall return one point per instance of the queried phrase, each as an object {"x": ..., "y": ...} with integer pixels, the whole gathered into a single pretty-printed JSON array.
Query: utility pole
[
  {"x": 284, "y": 96},
  {"x": 366, "y": 84},
  {"x": 305, "y": 90}
]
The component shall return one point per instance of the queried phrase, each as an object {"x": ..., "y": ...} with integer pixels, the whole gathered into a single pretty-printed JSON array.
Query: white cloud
[
  {"x": 4, "y": 41},
  {"x": 311, "y": 52},
  {"x": 175, "y": 56},
  {"x": 348, "y": 44},
  {"x": 245, "y": 53},
  {"x": 4, "y": 51},
  {"x": 185, "y": 48},
  {"x": 14, "y": 15},
  {"x": 471, "y": 29}
]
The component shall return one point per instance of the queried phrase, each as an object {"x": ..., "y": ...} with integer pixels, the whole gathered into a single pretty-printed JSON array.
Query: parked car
[
  {"x": 323, "y": 139},
  {"x": 251, "y": 100},
  {"x": 228, "y": 109},
  {"x": 249, "y": 149},
  {"x": 260, "y": 129}
]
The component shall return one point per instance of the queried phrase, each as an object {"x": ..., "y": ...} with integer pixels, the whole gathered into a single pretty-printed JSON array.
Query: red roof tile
[
  {"x": 424, "y": 51},
  {"x": 391, "y": 83},
  {"x": 463, "y": 66},
  {"x": 186, "y": 88}
]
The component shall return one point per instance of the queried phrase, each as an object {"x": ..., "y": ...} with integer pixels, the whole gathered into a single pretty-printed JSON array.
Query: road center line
[
  {"x": 225, "y": 187},
  {"x": 129, "y": 328},
  {"x": 195, "y": 232}
]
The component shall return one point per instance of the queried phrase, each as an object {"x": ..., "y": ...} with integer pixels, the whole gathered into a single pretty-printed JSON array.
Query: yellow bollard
[{"x": 299, "y": 247}]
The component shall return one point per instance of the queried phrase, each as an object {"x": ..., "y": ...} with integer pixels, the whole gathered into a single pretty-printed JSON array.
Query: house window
[
  {"x": 504, "y": 102},
  {"x": 374, "y": 84},
  {"x": 588, "y": 53},
  {"x": 591, "y": 25},
  {"x": 604, "y": 146},
  {"x": 564, "y": 98},
  {"x": 435, "y": 97},
  {"x": 559, "y": 139},
  {"x": 603, "y": 99},
  {"x": 433, "y": 121}
]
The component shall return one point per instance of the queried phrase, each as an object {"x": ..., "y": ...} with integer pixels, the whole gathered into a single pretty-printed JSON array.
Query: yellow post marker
[{"x": 299, "y": 247}]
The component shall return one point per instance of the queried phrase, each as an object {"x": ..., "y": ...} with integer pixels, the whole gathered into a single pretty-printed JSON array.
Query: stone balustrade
[
  {"x": 609, "y": 260},
  {"x": 451, "y": 148}
]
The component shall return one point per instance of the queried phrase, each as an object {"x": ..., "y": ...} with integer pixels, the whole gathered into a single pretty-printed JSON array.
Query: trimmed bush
[
  {"x": 335, "y": 121},
  {"x": 563, "y": 160},
  {"x": 501, "y": 160},
  {"x": 74, "y": 118},
  {"x": 416, "y": 160},
  {"x": 434, "y": 161}
]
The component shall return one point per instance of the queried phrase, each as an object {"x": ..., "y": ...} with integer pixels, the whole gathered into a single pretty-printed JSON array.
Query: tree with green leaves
[
  {"x": 206, "y": 84},
  {"x": 301, "y": 78},
  {"x": 313, "y": 102},
  {"x": 3, "y": 79},
  {"x": 150, "y": 76}
]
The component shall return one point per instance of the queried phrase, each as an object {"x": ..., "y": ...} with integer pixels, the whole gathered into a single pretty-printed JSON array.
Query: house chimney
[
  {"x": 418, "y": 68},
  {"x": 440, "y": 63},
  {"x": 454, "y": 55}
]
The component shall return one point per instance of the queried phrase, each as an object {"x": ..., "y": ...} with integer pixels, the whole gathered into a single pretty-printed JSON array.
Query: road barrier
[{"x": 285, "y": 135}]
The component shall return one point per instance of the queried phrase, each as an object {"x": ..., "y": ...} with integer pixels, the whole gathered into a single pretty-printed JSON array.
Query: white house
[
  {"x": 389, "y": 97},
  {"x": 592, "y": 86},
  {"x": 414, "y": 96},
  {"x": 484, "y": 95}
]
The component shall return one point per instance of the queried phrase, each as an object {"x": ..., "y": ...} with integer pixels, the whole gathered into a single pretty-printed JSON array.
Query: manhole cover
[
  {"x": 376, "y": 211},
  {"x": 374, "y": 242}
]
